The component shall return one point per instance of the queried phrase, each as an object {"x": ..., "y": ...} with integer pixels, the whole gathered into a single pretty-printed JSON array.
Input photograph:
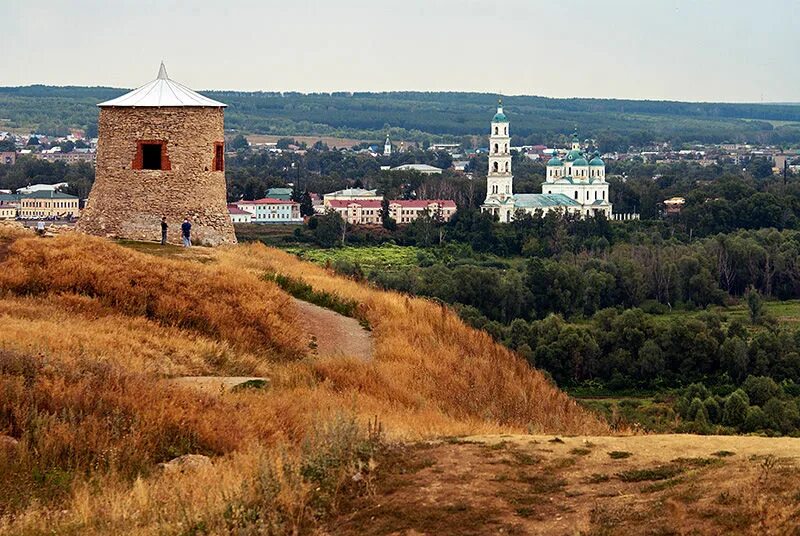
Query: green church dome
[
  {"x": 499, "y": 117},
  {"x": 581, "y": 161},
  {"x": 596, "y": 161},
  {"x": 574, "y": 154},
  {"x": 554, "y": 161}
]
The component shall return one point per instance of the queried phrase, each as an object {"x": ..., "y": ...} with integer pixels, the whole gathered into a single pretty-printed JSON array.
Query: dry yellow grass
[{"x": 88, "y": 329}]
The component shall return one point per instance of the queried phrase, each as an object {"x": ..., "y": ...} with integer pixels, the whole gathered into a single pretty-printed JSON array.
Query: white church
[{"x": 573, "y": 185}]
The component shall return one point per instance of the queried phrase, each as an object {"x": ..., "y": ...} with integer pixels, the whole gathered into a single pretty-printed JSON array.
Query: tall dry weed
[{"x": 214, "y": 301}]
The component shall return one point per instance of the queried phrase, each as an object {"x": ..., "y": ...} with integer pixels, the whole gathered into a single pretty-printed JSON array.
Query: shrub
[
  {"x": 735, "y": 409},
  {"x": 713, "y": 410},
  {"x": 755, "y": 420},
  {"x": 759, "y": 389}
]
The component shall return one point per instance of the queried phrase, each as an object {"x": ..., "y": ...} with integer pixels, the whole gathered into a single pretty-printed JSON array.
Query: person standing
[
  {"x": 186, "y": 233},
  {"x": 164, "y": 227}
]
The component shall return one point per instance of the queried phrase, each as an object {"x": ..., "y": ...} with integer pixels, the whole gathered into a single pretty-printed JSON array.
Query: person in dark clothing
[
  {"x": 164, "y": 227},
  {"x": 186, "y": 233}
]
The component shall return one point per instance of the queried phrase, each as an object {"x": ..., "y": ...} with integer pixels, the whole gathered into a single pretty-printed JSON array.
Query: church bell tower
[{"x": 499, "y": 181}]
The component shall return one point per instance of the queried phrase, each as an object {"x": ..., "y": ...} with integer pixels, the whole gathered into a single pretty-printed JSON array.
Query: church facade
[{"x": 574, "y": 185}]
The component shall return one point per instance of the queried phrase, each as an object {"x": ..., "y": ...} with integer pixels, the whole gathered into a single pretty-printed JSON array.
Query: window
[
  {"x": 496, "y": 148},
  {"x": 495, "y": 166},
  {"x": 151, "y": 156},
  {"x": 576, "y": 194},
  {"x": 495, "y": 130},
  {"x": 219, "y": 156},
  {"x": 507, "y": 167}
]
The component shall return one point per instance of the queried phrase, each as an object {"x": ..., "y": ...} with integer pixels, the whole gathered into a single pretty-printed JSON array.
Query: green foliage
[
  {"x": 617, "y": 124},
  {"x": 759, "y": 389},
  {"x": 736, "y": 408},
  {"x": 303, "y": 291}
]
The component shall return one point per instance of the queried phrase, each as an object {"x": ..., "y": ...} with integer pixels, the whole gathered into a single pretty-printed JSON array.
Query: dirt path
[
  {"x": 665, "y": 484},
  {"x": 335, "y": 335}
]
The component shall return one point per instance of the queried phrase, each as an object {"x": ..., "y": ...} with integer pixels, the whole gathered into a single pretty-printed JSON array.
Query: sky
[{"x": 691, "y": 50}]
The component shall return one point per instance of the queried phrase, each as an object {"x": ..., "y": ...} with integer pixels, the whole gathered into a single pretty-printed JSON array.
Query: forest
[{"x": 427, "y": 116}]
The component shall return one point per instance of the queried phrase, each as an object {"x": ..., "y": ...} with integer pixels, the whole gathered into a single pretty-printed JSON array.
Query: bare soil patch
[
  {"x": 334, "y": 335},
  {"x": 670, "y": 484}
]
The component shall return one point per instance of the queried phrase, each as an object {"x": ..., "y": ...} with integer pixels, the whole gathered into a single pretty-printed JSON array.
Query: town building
[
  {"x": 31, "y": 188},
  {"x": 674, "y": 205},
  {"x": 238, "y": 215},
  {"x": 280, "y": 193},
  {"x": 269, "y": 210},
  {"x": 7, "y": 212},
  {"x": 72, "y": 157},
  {"x": 8, "y": 158},
  {"x": 350, "y": 194},
  {"x": 160, "y": 152},
  {"x": 425, "y": 169},
  {"x": 387, "y": 147},
  {"x": 368, "y": 212},
  {"x": 48, "y": 204},
  {"x": 574, "y": 185}
]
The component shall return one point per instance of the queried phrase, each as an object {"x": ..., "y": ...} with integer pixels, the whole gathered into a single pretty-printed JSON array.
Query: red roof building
[{"x": 368, "y": 212}]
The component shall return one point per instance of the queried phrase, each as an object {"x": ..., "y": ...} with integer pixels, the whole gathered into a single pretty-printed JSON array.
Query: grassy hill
[
  {"x": 92, "y": 332},
  {"x": 435, "y": 115}
]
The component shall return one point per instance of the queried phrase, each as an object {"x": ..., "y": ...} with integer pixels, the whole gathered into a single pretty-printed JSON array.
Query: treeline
[
  {"x": 616, "y": 124},
  {"x": 29, "y": 170},
  {"x": 648, "y": 272}
]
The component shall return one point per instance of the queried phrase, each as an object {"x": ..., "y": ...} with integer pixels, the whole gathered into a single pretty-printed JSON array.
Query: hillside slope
[{"x": 90, "y": 329}]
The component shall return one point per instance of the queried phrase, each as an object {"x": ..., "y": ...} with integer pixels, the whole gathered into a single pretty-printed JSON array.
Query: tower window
[
  {"x": 496, "y": 148},
  {"x": 219, "y": 156},
  {"x": 151, "y": 156},
  {"x": 495, "y": 130},
  {"x": 576, "y": 194},
  {"x": 495, "y": 166}
]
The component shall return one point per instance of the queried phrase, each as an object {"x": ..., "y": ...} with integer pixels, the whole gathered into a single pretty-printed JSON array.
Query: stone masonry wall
[{"x": 129, "y": 203}]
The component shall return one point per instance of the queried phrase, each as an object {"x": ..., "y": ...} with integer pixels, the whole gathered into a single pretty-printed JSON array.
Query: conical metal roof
[{"x": 162, "y": 92}]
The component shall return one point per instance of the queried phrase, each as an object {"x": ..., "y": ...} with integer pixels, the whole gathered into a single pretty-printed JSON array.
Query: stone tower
[
  {"x": 499, "y": 181},
  {"x": 160, "y": 153}
]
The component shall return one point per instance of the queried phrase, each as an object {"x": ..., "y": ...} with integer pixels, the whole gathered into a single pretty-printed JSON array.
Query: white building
[
  {"x": 350, "y": 194},
  {"x": 268, "y": 210},
  {"x": 42, "y": 188},
  {"x": 238, "y": 215},
  {"x": 387, "y": 147},
  {"x": 574, "y": 186},
  {"x": 425, "y": 169}
]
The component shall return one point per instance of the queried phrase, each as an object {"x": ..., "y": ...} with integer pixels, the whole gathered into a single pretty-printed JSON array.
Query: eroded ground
[{"x": 671, "y": 484}]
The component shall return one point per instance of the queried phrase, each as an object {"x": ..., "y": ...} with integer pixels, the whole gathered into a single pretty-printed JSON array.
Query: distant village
[{"x": 355, "y": 205}]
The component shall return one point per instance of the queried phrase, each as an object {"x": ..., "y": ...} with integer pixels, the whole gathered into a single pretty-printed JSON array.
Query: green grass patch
[
  {"x": 619, "y": 454},
  {"x": 303, "y": 291},
  {"x": 661, "y": 472},
  {"x": 370, "y": 258}
]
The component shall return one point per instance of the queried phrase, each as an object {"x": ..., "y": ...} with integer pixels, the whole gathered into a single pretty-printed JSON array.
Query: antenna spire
[{"x": 162, "y": 72}]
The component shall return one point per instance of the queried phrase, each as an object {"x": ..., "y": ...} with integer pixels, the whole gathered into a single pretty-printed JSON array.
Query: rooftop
[
  {"x": 162, "y": 92},
  {"x": 544, "y": 201}
]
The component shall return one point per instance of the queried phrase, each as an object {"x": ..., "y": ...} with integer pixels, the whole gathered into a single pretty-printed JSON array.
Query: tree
[
  {"x": 306, "y": 205},
  {"x": 759, "y": 389},
  {"x": 330, "y": 229},
  {"x": 735, "y": 409},
  {"x": 755, "y": 306},
  {"x": 7, "y": 145},
  {"x": 284, "y": 143},
  {"x": 733, "y": 358},
  {"x": 387, "y": 221},
  {"x": 239, "y": 142}
]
